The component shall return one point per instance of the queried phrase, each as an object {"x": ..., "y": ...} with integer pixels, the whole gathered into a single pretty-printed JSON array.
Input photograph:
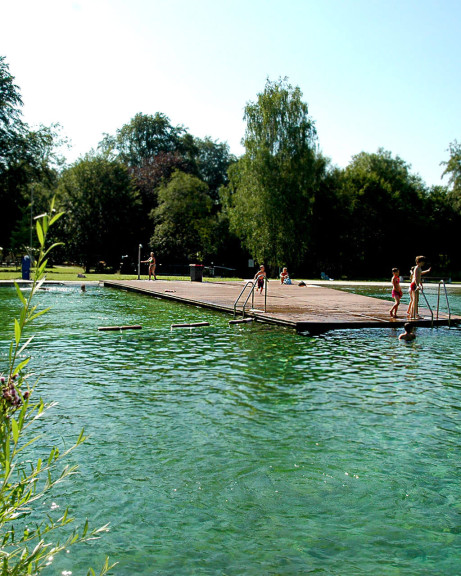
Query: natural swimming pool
[{"x": 250, "y": 449}]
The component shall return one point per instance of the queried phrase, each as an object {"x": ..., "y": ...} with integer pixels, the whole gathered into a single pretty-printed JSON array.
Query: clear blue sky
[{"x": 374, "y": 73}]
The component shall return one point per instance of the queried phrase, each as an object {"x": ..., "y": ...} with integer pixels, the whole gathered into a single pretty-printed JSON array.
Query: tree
[
  {"x": 28, "y": 159},
  {"x": 147, "y": 177},
  {"x": 212, "y": 160},
  {"x": 184, "y": 226},
  {"x": 382, "y": 197},
  {"x": 272, "y": 184},
  {"x": 453, "y": 166},
  {"x": 144, "y": 137},
  {"x": 102, "y": 208},
  {"x": 12, "y": 128},
  {"x": 328, "y": 251}
]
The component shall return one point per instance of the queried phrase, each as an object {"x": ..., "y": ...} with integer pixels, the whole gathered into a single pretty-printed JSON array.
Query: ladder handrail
[
  {"x": 254, "y": 284},
  {"x": 252, "y": 293},
  {"x": 430, "y": 309},
  {"x": 251, "y": 283},
  {"x": 446, "y": 298}
]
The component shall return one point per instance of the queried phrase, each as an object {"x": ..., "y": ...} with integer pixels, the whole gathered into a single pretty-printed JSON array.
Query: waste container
[
  {"x": 196, "y": 272},
  {"x": 26, "y": 268}
]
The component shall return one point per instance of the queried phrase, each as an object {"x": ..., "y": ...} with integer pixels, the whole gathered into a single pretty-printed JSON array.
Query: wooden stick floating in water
[
  {"x": 134, "y": 327},
  {"x": 190, "y": 325},
  {"x": 241, "y": 321}
]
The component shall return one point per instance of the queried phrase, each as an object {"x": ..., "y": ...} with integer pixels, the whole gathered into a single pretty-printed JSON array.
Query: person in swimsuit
[
  {"x": 260, "y": 277},
  {"x": 416, "y": 286},
  {"x": 411, "y": 291},
  {"x": 284, "y": 276},
  {"x": 408, "y": 335},
  {"x": 152, "y": 264},
  {"x": 396, "y": 292}
]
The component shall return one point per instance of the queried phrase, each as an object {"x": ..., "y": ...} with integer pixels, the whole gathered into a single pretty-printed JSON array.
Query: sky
[{"x": 373, "y": 73}]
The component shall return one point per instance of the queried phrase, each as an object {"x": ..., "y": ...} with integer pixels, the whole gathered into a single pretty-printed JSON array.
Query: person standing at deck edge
[
  {"x": 152, "y": 263},
  {"x": 396, "y": 291},
  {"x": 418, "y": 286}
]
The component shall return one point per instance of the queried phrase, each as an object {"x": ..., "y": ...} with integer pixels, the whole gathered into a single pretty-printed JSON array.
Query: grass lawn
[
  {"x": 70, "y": 273},
  {"x": 66, "y": 273}
]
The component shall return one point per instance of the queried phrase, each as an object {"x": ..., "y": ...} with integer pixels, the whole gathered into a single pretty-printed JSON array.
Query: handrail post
[
  {"x": 253, "y": 284},
  {"x": 438, "y": 301},
  {"x": 430, "y": 309},
  {"x": 249, "y": 283},
  {"x": 447, "y": 301},
  {"x": 265, "y": 294}
]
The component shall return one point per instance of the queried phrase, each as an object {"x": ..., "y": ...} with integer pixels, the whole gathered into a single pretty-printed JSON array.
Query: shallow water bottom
[{"x": 251, "y": 449}]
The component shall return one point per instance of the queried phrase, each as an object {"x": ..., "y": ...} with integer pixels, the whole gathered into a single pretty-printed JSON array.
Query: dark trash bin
[
  {"x": 196, "y": 272},
  {"x": 26, "y": 268}
]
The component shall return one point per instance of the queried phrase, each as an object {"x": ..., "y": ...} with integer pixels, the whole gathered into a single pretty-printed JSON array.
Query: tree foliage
[
  {"x": 453, "y": 166},
  {"x": 378, "y": 190},
  {"x": 272, "y": 185},
  {"x": 12, "y": 128},
  {"x": 102, "y": 209},
  {"x": 143, "y": 137},
  {"x": 212, "y": 161},
  {"x": 184, "y": 226},
  {"x": 281, "y": 203},
  {"x": 28, "y": 158}
]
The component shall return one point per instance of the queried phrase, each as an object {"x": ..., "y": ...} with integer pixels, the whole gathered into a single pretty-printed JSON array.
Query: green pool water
[{"x": 250, "y": 450}]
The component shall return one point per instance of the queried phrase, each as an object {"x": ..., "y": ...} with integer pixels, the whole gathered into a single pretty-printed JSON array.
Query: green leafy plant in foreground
[{"x": 29, "y": 542}]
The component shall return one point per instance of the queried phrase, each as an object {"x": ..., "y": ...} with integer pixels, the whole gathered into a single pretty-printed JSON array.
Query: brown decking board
[{"x": 309, "y": 308}]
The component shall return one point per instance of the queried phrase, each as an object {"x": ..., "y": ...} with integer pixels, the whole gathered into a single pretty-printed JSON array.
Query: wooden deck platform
[{"x": 311, "y": 308}]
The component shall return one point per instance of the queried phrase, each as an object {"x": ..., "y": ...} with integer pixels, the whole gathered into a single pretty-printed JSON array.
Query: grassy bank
[{"x": 71, "y": 273}]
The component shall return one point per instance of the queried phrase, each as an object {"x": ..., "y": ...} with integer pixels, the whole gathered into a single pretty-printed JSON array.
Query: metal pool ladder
[
  {"x": 251, "y": 294},
  {"x": 442, "y": 283}
]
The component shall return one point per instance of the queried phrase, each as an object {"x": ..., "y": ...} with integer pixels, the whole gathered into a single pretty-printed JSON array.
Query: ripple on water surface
[{"x": 250, "y": 449}]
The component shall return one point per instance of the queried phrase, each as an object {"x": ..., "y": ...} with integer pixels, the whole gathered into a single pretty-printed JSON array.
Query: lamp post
[{"x": 139, "y": 262}]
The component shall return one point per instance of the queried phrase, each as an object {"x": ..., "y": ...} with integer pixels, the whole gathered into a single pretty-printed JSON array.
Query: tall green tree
[
  {"x": 12, "y": 129},
  {"x": 143, "y": 137},
  {"x": 212, "y": 160},
  {"x": 28, "y": 161},
  {"x": 387, "y": 223},
  {"x": 184, "y": 224},
  {"x": 102, "y": 207},
  {"x": 272, "y": 184},
  {"x": 453, "y": 166},
  {"x": 330, "y": 225}
]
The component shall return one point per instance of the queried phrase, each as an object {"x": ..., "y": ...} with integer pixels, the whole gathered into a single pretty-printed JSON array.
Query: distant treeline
[{"x": 190, "y": 200}]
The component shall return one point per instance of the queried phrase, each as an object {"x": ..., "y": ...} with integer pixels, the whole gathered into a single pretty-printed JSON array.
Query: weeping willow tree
[{"x": 271, "y": 187}]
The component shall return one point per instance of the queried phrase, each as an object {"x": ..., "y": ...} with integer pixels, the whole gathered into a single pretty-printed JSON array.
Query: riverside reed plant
[{"x": 30, "y": 539}]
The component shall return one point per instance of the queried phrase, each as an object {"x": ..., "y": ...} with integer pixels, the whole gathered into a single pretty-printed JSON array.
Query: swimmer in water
[{"x": 408, "y": 335}]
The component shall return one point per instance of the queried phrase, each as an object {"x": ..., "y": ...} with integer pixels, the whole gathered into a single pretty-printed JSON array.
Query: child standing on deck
[
  {"x": 260, "y": 276},
  {"x": 411, "y": 291},
  {"x": 396, "y": 291}
]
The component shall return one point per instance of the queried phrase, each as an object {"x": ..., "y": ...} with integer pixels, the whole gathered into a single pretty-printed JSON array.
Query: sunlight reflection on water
[{"x": 250, "y": 449}]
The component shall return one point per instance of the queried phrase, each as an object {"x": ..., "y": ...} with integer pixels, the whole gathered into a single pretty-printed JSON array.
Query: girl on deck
[{"x": 396, "y": 291}]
